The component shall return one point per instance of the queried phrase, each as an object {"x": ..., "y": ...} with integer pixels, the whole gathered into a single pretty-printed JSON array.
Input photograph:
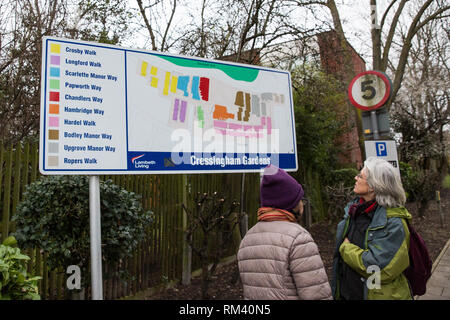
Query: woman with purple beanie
[{"x": 278, "y": 259}]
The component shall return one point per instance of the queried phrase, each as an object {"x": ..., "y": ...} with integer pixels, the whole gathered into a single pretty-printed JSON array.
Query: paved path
[{"x": 438, "y": 286}]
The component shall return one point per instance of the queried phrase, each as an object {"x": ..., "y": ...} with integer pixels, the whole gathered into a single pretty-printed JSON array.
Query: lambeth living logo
[
  {"x": 135, "y": 158},
  {"x": 141, "y": 164}
]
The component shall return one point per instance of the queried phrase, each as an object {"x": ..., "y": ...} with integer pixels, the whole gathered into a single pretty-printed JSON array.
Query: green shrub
[
  {"x": 54, "y": 216},
  {"x": 339, "y": 191},
  {"x": 15, "y": 283},
  {"x": 446, "y": 182},
  {"x": 345, "y": 176},
  {"x": 419, "y": 185},
  {"x": 411, "y": 180}
]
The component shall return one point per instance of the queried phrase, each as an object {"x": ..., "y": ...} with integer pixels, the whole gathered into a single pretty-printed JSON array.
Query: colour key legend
[
  {"x": 54, "y": 105},
  {"x": 83, "y": 108}
]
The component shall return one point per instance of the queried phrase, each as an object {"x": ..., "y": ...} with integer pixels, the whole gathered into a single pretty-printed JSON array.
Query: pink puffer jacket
[{"x": 279, "y": 260}]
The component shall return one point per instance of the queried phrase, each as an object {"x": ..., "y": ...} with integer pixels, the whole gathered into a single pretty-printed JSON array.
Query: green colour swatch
[
  {"x": 235, "y": 72},
  {"x": 54, "y": 84},
  {"x": 201, "y": 117}
]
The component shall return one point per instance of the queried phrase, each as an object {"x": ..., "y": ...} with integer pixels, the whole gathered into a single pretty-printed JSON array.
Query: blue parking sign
[{"x": 381, "y": 149}]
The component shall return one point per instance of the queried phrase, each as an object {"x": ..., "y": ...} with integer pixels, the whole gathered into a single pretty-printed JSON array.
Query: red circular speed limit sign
[{"x": 369, "y": 90}]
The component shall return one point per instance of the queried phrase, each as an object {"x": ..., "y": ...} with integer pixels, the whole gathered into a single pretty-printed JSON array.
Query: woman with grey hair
[{"x": 372, "y": 240}]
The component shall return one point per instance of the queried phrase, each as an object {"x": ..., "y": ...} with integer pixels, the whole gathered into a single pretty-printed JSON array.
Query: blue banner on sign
[{"x": 168, "y": 161}]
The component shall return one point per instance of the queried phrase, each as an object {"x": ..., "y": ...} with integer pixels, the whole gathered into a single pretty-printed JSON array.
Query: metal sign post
[
  {"x": 369, "y": 91},
  {"x": 382, "y": 124},
  {"x": 373, "y": 120},
  {"x": 95, "y": 233}
]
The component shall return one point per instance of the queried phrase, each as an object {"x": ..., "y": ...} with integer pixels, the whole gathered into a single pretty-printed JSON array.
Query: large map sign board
[{"x": 112, "y": 110}]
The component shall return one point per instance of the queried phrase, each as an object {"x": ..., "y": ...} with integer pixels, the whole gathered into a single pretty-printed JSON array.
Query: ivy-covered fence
[{"x": 159, "y": 258}]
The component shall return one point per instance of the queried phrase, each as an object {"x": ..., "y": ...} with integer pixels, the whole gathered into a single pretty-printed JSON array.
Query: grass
[{"x": 446, "y": 182}]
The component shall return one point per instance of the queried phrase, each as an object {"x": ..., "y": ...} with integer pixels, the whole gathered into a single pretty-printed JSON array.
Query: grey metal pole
[
  {"x": 373, "y": 114},
  {"x": 373, "y": 119},
  {"x": 243, "y": 224},
  {"x": 441, "y": 214},
  {"x": 95, "y": 233},
  {"x": 241, "y": 209},
  {"x": 187, "y": 250}
]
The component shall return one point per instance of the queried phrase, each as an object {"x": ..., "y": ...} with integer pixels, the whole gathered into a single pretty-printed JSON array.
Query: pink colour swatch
[{"x": 53, "y": 121}]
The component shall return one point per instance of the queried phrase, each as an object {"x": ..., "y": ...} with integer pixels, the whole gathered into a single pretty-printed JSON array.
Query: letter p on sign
[{"x": 381, "y": 149}]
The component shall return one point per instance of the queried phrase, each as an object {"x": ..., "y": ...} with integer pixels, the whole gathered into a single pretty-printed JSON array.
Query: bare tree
[
  {"x": 237, "y": 30},
  {"x": 213, "y": 223},
  {"x": 208, "y": 34},
  {"x": 388, "y": 32},
  {"x": 23, "y": 23},
  {"x": 421, "y": 111},
  {"x": 158, "y": 20},
  {"x": 423, "y": 13},
  {"x": 261, "y": 24},
  {"x": 102, "y": 21},
  {"x": 26, "y": 22}
]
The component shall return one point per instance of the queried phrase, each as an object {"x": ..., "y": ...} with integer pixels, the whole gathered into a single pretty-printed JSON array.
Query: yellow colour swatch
[
  {"x": 173, "y": 84},
  {"x": 166, "y": 84},
  {"x": 153, "y": 70},
  {"x": 154, "y": 82},
  {"x": 55, "y": 48},
  {"x": 144, "y": 68}
]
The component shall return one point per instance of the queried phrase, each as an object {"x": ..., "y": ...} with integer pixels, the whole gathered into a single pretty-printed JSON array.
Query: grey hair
[{"x": 385, "y": 181}]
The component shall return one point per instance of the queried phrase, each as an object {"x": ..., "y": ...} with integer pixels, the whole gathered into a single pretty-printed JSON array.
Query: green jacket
[{"x": 385, "y": 250}]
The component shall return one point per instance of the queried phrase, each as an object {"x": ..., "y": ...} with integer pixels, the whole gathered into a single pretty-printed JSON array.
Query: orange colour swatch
[
  {"x": 221, "y": 113},
  {"x": 54, "y": 108}
]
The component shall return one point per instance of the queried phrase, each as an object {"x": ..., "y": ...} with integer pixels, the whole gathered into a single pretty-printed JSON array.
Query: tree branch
[
  {"x": 168, "y": 25},
  {"x": 390, "y": 37},
  {"x": 405, "y": 51},
  {"x": 147, "y": 24},
  {"x": 386, "y": 12},
  {"x": 432, "y": 17}
]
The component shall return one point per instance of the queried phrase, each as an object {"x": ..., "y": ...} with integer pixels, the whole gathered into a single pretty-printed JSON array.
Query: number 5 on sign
[{"x": 369, "y": 90}]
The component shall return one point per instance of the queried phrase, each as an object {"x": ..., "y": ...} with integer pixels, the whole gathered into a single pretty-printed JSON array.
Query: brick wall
[{"x": 332, "y": 57}]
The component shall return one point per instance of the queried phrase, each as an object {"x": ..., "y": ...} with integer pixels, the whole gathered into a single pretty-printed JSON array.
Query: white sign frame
[{"x": 76, "y": 124}]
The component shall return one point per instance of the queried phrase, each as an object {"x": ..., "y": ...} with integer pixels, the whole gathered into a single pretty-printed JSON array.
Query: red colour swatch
[
  {"x": 204, "y": 88},
  {"x": 54, "y": 96}
]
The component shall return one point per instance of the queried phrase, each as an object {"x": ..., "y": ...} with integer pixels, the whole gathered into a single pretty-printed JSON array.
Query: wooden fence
[{"x": 158, "y": 258}]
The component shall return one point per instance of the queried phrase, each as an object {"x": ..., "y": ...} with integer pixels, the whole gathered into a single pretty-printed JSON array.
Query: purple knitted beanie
[{"x": 279, "y": 190}]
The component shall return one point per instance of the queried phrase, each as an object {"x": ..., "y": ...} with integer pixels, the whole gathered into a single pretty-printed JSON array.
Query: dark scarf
[
  {"x": 361, "y": 214},
  {"x": 362, "y": 207}
]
